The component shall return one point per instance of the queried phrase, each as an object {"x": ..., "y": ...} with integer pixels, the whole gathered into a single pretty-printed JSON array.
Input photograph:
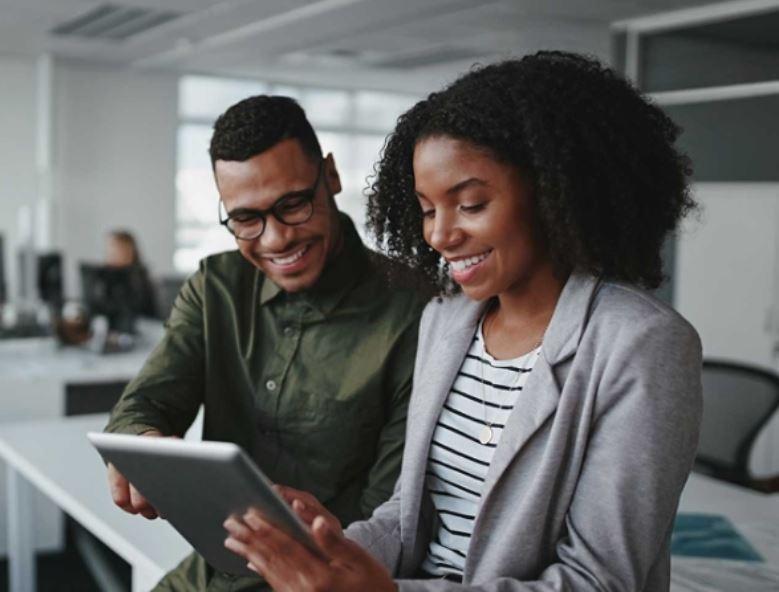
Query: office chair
[
  {"x": 167, "y": 288},
  {"x": 738, "y": 400}
]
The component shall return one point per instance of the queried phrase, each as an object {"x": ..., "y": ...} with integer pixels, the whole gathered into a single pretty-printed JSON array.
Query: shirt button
[
  {"x": 288, "y": 331},
  {"x": 271, "y": 385}
]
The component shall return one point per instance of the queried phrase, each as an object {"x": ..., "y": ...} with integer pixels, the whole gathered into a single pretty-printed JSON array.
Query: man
[{"x": 294, "y": 344}]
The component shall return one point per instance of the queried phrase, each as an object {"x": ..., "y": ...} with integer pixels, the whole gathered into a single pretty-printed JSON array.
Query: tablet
[{"x": 196, "y": 486}]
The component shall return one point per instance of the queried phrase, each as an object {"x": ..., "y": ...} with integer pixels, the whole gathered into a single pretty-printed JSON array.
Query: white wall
[
  {"x": 727, "y": 285},
  {"x": 726, "y": 271},
  {"x": 18, "y": 177},
  {"x": 114, "y": 161}
]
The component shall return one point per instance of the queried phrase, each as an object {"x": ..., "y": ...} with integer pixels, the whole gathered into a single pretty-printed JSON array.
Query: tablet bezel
[{"x": 149, "y": 463}]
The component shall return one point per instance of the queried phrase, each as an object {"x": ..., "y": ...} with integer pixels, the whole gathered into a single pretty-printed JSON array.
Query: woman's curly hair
[{"x": 609, "y": 185}]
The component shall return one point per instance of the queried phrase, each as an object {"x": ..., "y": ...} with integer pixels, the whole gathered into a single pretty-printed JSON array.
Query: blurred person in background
[{"x": 122, "y": 252}]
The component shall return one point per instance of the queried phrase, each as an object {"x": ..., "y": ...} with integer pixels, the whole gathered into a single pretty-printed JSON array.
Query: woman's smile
[{"x": 465, "y": 268}]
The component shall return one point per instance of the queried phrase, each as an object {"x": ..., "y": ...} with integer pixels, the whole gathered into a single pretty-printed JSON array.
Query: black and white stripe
[{"x": 458, "y": 462}]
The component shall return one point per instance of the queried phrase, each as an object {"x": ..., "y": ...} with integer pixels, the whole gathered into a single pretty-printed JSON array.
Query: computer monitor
[
  {"x": 3, "y": 293},
  {"x": 110, "y": 291},
  {"x": 49, "y": 278}
]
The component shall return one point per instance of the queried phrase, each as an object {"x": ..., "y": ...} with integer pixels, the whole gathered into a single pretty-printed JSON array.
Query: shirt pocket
[
  {"x": 334, "y": 431},
  {"x": 322, "y": 412}
]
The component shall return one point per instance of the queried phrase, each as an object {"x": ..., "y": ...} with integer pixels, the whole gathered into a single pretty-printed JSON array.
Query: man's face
[{"x": 292, "y": 256}]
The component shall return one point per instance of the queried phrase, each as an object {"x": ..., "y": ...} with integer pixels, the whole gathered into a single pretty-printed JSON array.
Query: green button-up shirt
[{"x": 314, "y": 385}]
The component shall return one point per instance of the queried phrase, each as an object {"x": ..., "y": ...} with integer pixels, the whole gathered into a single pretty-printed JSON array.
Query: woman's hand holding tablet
[{"x": 341, "y": 566}]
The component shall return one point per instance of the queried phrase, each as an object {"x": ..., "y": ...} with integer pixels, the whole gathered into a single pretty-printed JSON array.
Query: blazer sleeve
[
  {"x": 641, "y": 448},
  {"x": 380, "y": 534}
]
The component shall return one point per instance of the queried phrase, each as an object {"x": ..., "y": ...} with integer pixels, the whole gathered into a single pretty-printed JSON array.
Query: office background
[
  {"x": 92, "y": 125},
  {"x": 106, "y": 112},
  {"x": 105, "y": 115}
]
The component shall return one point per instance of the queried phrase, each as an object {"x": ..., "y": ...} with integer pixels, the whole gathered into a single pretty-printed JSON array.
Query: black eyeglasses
[{"x": 291, "y": 209}]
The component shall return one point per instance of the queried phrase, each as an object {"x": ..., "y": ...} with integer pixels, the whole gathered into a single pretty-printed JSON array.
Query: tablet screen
[{"x": 196, "y": 486}]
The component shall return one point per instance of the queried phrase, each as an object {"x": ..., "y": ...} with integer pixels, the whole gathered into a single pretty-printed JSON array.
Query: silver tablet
[{"x": 196, "y": 486}]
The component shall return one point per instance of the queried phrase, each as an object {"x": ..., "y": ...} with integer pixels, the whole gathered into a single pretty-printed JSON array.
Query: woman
[
  {"x": 122, "y": 252},
  {"x": 555, "y": 409}
]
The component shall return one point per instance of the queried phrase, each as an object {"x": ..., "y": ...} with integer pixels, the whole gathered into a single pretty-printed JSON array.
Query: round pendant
[{"x": 485, "y": 436}]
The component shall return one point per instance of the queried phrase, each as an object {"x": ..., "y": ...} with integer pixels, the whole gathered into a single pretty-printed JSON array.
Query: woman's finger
[
  {"x": 237, "y": 529},
  {"x": 305, "y": 513},
  {"x": 253, "y": 519},
  {"x": 335, "y": 545},
  {"x": 256, "y": 562},
  {"x": 270, "y": 541},
  {"x": 306, "y": 506},
  {"x": 236, "y": 546},
  {"x": 290, "y": 494},
  {"x": 281, "y": 559}
]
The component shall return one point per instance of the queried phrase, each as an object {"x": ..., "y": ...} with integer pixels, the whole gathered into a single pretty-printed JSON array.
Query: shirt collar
[{"x": 338, "y": 277}]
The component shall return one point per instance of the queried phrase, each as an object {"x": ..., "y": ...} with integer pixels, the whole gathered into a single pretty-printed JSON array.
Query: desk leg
[
  {"x": 143, "y": 580},
  {"x": 21, "y": 528}
]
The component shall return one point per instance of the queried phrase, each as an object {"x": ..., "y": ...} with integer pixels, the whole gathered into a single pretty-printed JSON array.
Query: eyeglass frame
[{"x": 308, "y": 193}]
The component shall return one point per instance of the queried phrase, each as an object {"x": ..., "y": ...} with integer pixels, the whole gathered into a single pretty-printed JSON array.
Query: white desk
[
  {"x": 54, "y": 457},
  {"x": 754, "y": 515},
  {"x": 33, "y": 375},
  {"x": 40, "y": 358}
]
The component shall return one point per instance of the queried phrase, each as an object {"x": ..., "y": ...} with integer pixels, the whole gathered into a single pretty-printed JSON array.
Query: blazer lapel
[
  {"x": 537, "y": 401},
  {"x": 541, "y": 393}
]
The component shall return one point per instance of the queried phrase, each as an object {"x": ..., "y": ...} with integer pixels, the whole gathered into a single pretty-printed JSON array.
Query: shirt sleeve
[
  {"x": 386, "y": 468},
  {"x": 168, "y": 391}
]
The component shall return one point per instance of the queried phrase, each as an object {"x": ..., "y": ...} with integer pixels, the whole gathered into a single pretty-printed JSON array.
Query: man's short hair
[{"x": 258, "y": 123}]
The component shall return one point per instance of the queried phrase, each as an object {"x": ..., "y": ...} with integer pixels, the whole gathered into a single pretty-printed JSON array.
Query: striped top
[{"x": 458, "y": 461}]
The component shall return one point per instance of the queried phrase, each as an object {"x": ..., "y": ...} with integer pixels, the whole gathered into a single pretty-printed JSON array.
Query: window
[{"x": 350, "y": 124}]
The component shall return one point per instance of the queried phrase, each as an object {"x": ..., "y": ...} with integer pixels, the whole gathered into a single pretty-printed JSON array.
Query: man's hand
[{"x": 125, "y": 495}]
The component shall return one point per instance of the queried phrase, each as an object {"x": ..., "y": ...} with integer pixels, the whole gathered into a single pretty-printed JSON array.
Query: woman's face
[
  {"x": 118, "y": 253},
  {"x": 478, "y": 214}
]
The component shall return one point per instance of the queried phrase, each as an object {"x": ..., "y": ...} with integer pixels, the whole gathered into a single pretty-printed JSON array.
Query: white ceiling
[{"x": 409, "y": 44}]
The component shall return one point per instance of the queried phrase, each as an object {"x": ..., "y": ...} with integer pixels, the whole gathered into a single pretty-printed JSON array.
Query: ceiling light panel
[{"x": 113, "y": 22}]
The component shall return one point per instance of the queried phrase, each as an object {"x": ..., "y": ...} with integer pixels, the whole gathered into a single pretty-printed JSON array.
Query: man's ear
[{"x": 331, "y": 175}]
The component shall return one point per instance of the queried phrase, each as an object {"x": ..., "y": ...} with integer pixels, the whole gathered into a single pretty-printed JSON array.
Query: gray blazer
[{"x": 584, "y": 484}]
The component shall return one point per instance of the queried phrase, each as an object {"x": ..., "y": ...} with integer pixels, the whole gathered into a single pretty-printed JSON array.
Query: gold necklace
[{"x": 486, "y": 433}]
